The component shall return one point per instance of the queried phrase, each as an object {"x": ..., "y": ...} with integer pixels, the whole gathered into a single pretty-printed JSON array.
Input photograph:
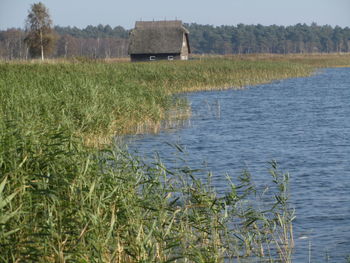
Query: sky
[{"x": 81, "y": 13}]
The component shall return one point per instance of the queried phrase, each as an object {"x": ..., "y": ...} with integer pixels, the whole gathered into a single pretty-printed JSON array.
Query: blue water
[{"x": 304, "y": 124}]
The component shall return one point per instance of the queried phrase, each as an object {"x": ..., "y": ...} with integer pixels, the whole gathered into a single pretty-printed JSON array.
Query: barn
[{"x": 159, "y": 40}]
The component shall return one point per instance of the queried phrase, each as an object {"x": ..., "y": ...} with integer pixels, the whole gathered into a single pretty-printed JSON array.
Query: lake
[{"x": 303, "y": 124}]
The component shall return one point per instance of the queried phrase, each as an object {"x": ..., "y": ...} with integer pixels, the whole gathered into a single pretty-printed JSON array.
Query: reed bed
[
  {"x": 96, "y": 100},
  {"x": 66, "y": 195},
  {"x": 317, "y": 60},
  {"x": 60, "y": 202}
]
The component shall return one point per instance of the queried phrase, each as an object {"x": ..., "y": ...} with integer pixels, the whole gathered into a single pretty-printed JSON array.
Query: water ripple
[{"x": 304, "y": 124}]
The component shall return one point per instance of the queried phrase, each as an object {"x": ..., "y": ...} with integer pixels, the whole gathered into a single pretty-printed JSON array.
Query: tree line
[
  {"x": 103, "y": 41},
  {"x": 67, "y": 42},
  {"x": 242, "y": 39}
]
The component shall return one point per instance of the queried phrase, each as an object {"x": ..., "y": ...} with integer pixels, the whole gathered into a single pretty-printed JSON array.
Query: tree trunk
[
  {"x": 20, "y": 46},
  {"x": 65, "y": 48},
  {"x": 41, "y": 45},
  {"x": 26, "y": 52}
]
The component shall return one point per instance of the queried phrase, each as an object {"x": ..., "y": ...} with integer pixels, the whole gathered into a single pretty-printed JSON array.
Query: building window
[
  {"x": 152, "y": 58},
  {"x": 170, "y": 57}
]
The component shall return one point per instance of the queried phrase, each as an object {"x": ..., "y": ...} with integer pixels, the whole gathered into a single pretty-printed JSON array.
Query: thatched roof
[{"x": 155, "y": 37}]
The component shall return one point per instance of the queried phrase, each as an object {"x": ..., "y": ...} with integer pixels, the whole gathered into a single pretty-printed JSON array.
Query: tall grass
[
  {"x": 97, "y": 100},
  {"x": 317, "y": 60},
  {"x": 62, "y": 200}
]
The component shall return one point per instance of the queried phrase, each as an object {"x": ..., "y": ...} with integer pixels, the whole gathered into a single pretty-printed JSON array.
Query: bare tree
[{"x": 11, "y": 44}]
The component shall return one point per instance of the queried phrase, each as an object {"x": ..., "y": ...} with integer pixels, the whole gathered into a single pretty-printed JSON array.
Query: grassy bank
[{"x": 62, "y": 200}]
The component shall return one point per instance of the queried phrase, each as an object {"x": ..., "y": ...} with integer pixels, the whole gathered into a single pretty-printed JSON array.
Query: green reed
[
  {"x": 97, "y": 100},
  {"x": 62, "y": 200}
]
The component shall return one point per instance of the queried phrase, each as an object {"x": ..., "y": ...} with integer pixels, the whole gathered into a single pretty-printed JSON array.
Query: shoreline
[
  {"x": 136, "y": 96},
  {"x": 73, "y": 199}
]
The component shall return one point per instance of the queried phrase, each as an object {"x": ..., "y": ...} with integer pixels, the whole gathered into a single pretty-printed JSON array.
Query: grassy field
[{"x": 66, "y": 194}]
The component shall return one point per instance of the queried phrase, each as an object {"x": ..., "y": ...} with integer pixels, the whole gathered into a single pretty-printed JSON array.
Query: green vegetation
[
  {"x": 96, "y": 100},
  {"x": 62, "y": 200},
  {"x": 58, "y": 205},
  {"x": 247, "y": 39}
]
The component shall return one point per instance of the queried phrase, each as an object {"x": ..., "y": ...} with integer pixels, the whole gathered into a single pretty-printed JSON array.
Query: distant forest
[{"x": 107, "y": 42}]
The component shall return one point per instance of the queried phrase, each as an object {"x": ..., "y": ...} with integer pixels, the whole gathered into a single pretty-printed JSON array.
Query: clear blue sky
[{"x": 81, "y": 13}]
